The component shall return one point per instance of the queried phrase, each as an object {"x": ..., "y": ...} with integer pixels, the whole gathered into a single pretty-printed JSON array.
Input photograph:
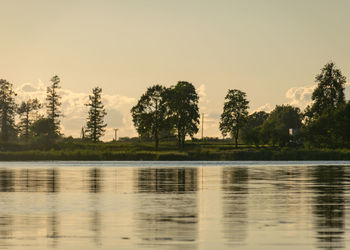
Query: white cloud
[
  {"x": 300, "y": 96},
  {"x": 75, "y": 112},
  {"x": 266, "y": 107}
]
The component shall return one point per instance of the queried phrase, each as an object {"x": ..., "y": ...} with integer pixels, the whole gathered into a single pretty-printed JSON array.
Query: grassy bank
[{"x": 196, "y": 154}]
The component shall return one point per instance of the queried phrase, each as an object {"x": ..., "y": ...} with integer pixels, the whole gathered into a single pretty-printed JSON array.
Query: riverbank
[{"x": 202, "y": 155}]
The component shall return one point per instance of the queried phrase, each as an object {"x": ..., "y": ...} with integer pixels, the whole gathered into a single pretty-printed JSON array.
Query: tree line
[
  {"x": 44, "y": 129},
  {"x": 162, "y": 113},
  {"x": 324, "y": 123}
]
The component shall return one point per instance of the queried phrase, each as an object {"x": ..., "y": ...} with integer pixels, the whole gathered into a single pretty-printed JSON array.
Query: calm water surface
[{"x": 115, "y": 205}]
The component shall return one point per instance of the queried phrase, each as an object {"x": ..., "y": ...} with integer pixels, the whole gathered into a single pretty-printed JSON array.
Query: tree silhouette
[
  {"x": 182, "y": 101},
  {"x": 24, "y": 111},
  {"x": 329, "y": 93},
  {"x": 95, "y": 126},
  {"x": 7, "y": 110},
  {"x": 53, "y": 104},
  {"x": 234, "y": 114},
  {"x": 148, "y": 114},
  {"x": 280, "y": 120}
]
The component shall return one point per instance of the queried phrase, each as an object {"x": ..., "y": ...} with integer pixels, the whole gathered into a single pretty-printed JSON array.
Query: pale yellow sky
[{"x": 264, "y": 48}]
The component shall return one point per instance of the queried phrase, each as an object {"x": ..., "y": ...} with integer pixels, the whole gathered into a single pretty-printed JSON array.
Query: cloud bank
[{"x": 75, "y": 112}]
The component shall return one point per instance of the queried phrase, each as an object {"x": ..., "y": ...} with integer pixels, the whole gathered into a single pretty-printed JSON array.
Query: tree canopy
[
  {"x": 149, "y": 114},
  {"x": 234, "y": 114},
  {"x": 329, "y": 93},
  {"x": 281, "y": 119},
  {"x": 183, "y": 112}
]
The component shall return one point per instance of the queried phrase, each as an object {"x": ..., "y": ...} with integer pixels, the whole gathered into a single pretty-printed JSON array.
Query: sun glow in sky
[{"x": 271, "y": 50}]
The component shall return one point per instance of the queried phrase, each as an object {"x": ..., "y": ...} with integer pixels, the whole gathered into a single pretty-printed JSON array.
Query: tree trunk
[
  {"x": 156, "y": 137},
  {"x": 236, "y": 138},
  {"x": 179, "y": 139}
]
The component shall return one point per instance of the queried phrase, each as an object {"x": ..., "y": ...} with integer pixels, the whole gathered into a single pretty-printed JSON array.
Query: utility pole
[
  {"x": 82, "y": 133},
  {"x": 116, "y": 134},
  {"x": 202, "y": 126}
]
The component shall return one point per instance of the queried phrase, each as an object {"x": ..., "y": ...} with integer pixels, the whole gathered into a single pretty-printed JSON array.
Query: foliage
[
  {"x": 149, "y": 114},
  {"x": 25, "y": 111},
  {"x": 251, "y": 132},
  {"x": 277, "y": 125},
  {"x": 234, "y": 114},
  {"x": 182, "y": 110},
  {"x": 95, "y": 121},
  {"x": 53, "y": 106},
  {"x": 329, "y": 93},
  {"x": 329, "y": 130},
  {"x": 7, "y": 110}
]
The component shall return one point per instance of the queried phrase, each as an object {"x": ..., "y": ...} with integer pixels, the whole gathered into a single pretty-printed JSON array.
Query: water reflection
[
  {"x": 235, "y": 193},
  {"x": 158, "y": 207},
  {"x": 170, "y": 211},
  {"x": 329, "y": 205}
]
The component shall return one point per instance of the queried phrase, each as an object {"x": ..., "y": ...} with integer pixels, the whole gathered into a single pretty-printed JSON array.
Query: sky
[{"x": 270, "y": 49}]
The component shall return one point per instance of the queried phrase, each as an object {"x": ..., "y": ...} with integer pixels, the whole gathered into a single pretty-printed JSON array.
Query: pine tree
[
  {"x": 53, "y": 105},
  {"x": 7, "y": 110},
  {"x": 95, "y": 123},
  {"x": 25, "y": 111}
]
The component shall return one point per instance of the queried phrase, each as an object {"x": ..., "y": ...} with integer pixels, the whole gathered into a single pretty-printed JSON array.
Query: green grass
[{"x": 169, "y": 152}]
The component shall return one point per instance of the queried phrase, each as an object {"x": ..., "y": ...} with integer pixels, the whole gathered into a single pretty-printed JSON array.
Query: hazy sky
[{"x": 271, "y": 50}]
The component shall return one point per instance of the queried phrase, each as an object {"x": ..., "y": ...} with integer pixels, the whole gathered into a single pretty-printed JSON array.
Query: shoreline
[{"x": 284, "y": 154}]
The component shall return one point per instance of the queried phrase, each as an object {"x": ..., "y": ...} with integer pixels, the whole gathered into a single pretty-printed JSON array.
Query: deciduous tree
[
  {"x": 149, "y": 115},
  {"x": 329, "y": 93},
  {"x": 182, "y": 102},
  {"x": 234, "y": 114},
  {"x": 280, "y": 120}
]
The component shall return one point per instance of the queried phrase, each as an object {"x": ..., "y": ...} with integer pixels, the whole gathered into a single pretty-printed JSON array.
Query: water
[{"x": 174, "y": 205}]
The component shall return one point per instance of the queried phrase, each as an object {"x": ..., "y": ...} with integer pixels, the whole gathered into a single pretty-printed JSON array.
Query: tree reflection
[
  {"x": 171, "y": 214},
  {"x": 95, "y": 186},
  {"x": 95, "y": 178},
  {"x": 328, "y": 206},
  {"x": 235, "y": 193},
  {"x": 52, "y": 180},
  {"x": 6, "y": 180}
]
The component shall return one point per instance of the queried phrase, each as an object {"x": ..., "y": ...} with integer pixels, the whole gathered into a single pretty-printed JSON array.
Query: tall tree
[
  {"x": 182, "y": 102},
  {"x": 280, "y": 120},
  {"x": 234, "y": 114},
  {"x": 148, "y": 114},
  {"x": 53, "y": 106},
  {"x": 7, "y": 109},
  {"x": 95, "y": 126},
  {"x": 329, "y": 93},
  {"x": 25, "y": 111}
]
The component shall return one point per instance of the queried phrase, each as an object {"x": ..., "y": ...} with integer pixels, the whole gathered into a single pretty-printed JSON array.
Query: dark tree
[
  {"x": 148, "y": 114},
  {"x": 95, "y": 126},
  {"x": 25, "y": 111},
  {"x": 42, "y": 127},
  {"x": 251, "y": 132},
  {"x": 329, "y": 93},
  {"x": 8, "y": 109},
  {"x": 234, "y": 114},
  {"x": 329, "y": 130},
  {"x": 182, "y": 101},
  {"x": 280, "y": 120},
  {"x": 53, "y": 106}
]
